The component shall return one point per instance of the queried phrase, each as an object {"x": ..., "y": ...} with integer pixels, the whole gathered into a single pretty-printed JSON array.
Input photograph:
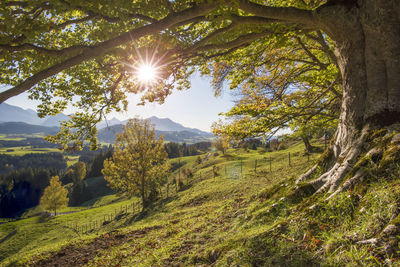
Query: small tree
[
  {"x": 222, "y": 143},
  {"x": 139, "y": 162},
  {"x": 54, "y": 196}
]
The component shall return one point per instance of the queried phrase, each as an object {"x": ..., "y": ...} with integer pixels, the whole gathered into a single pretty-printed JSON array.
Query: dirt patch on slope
[{"x": 73, "y": 255}]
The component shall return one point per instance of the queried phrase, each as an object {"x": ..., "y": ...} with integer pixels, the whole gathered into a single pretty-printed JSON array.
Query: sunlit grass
[{"x": 229, "y": 219}]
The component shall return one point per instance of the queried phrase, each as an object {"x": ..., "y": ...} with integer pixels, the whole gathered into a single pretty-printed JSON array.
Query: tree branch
[
  {"x": 42, "y": 50},
  {"x": 284, "y": 14},
  {"x": 310, "y": 54},
  {"x": 103, "y": 47},
  {"x": 241, "y": 40}
]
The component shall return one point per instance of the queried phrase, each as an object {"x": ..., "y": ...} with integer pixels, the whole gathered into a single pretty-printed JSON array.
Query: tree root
[
  {"x": 358, "y": 177},
  {"x": 307, "y": 175},
  {"x": 331, "y": 179}
]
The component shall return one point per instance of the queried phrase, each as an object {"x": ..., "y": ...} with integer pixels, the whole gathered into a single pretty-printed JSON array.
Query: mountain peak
[{"x": 14, "y": 113}]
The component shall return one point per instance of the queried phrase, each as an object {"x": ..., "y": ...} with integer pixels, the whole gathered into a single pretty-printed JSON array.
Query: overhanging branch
[
  {"x": 103, "y": 47},
  {"x": 284, "y": 14}
]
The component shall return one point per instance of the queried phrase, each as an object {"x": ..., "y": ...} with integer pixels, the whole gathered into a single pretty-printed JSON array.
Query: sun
[
  {"x": 146, "y": 73},
  {"x": 148, "y": 67}
]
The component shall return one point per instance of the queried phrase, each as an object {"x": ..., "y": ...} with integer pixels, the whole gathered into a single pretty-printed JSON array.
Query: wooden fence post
[{"x": 270, "y": 164}]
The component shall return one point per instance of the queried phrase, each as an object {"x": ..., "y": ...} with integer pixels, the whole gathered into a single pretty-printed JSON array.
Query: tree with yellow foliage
[
  {"x": 222, "y": 143},
  {"x": 54, "y": 196},
  {"x": 139, "y": 162}
]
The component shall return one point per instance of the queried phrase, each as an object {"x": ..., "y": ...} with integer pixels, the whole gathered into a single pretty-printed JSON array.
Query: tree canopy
[
  {"x": 54, "y": 196},
  {"x": 139, "y": 164},
  {"x": 295, "y": 87},
  {"x": 67, "y": 52}
]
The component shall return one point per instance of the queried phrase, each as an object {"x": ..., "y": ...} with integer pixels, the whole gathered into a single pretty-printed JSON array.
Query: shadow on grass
[
  {"x": 153, "y": 208},
  {"x": 231, "y": 157},
  {"x": 8, "y": 236},
  {"x": 272, "y": 250}
]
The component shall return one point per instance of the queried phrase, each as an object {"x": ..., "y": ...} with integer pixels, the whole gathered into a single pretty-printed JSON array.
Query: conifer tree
[{"x": 54, "y": 196}]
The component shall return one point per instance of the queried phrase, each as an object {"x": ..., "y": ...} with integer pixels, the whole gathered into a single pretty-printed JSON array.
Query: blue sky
[{"x": 195, "y": 108}]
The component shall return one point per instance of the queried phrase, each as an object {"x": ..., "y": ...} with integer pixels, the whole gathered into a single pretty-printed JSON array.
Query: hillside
[
  {"x": 25, "y": 128},
  {"x": 247, "y": 215}
]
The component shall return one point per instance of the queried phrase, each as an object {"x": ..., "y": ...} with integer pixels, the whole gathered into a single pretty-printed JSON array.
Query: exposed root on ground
[{"x": 348, "y": 167}]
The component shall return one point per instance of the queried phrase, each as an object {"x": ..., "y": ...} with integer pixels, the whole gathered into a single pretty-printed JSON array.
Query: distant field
[
  {"x": 22, "y": 150},
  {"x": 71, "y": 160},
  {"x": 18, "y": 137}
]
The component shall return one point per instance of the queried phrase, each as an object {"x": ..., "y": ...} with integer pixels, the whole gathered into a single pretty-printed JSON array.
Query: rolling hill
[{"x": 25, "y": 128}]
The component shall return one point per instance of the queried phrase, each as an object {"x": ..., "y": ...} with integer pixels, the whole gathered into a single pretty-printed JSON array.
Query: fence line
[
  {"x": 106, "y": 219},
  {"x": 241, "y": 168}
]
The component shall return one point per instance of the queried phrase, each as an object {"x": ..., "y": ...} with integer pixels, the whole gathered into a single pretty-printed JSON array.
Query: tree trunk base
[{"x": 373, "y": 149}]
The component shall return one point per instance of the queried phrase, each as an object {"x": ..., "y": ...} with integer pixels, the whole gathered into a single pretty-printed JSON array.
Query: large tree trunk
[{"x": 367, "y": 36}]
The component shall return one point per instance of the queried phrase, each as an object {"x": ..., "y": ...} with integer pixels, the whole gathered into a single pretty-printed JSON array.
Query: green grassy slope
[{"x": 240, "y": 217}]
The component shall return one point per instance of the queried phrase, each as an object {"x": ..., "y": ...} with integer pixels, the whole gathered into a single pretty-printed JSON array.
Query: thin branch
[
  {"x": 169, "y": 6},
  {"x": 74, "y": 21},
  {"x": 326, "y": 48},
  {"x": 16, "y": 3},
  {"x": 310, "y": 54}
]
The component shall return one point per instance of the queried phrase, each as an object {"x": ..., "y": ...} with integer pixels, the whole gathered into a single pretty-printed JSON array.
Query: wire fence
[
  {"x": 239, "y": 168},
  {"x": 103, "y": 220}
]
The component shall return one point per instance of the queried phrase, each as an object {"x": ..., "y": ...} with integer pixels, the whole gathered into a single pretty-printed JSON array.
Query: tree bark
[
  {"x": 367, "y": 37},
  {"x": 308, "y": 148}
]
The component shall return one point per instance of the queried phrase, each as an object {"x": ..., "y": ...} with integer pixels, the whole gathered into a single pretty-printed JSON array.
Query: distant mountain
[
  {"x": 161, "y": 124},
  {"x": 55, "y": 120},
  {"x": 10, "y": 113},
  {"x": 25, "y": 128},
  {"x": 14, "y": 113},
  {"x": 108, "y": 135},
  {"x": 26, "y": 121},
  {"x": 165, "y": 124},
  {"x": 108, "y": 123}
]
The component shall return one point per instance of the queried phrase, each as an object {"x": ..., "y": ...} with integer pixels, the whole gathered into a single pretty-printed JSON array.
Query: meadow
[{"x": 231, "y": 211}]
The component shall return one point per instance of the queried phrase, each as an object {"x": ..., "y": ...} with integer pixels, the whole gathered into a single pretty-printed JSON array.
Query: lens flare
[{"x": 146, "y": 73}]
